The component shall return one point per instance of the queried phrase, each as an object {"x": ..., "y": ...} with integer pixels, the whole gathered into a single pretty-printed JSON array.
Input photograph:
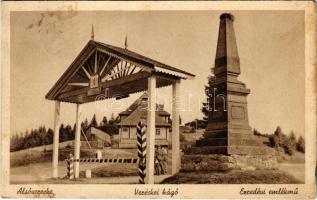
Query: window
[
  {"x": 125, "y": 133},
  {"x": 158, "y": 131}
]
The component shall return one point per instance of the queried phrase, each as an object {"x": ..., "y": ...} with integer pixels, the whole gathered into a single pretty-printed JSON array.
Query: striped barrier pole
[
  {"x": 70, "y": 167},
  {"x": 70, "y": 162},
  {"x": 141, "y": 143},
  {"x": 107, "y": 160}
]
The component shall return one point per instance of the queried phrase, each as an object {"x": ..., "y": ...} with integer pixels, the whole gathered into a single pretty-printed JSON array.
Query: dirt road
[
  {"x": 296, "y": 170},
  {"x": 41, "y": 173}
]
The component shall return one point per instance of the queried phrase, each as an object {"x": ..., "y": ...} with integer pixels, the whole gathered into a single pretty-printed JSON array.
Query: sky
[{"x": 270, "y": 44}]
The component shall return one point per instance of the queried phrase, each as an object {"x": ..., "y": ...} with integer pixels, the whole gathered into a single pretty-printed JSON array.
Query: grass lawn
[
  {"x": 296, "y": 158},
  {"x": 233, "y": 177}
]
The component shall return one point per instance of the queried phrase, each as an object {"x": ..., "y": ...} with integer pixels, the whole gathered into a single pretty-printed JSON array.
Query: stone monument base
[{"x": 219, "y": 162}]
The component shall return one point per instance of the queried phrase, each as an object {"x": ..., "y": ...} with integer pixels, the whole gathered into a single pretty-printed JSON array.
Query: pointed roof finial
[
  {"x": 92, "y": 32},
  {"x": 126, "y": 42}
]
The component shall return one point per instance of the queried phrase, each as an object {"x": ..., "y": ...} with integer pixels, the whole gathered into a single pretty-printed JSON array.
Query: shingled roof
[{"x": 137, "y": 103}]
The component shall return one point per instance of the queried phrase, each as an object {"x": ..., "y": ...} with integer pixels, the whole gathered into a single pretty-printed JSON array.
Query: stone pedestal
[{"x": 218, "y": 162}]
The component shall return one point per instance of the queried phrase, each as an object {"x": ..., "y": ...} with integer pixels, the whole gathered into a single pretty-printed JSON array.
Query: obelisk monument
[{"x": 228, "y": 136}]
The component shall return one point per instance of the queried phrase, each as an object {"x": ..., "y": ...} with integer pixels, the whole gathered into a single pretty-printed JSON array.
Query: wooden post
[
  {"x": 77, "y": 140},
  {"x": 56, "y": 139},
  {"x": 150, "y": 134},
  {"x": 175, "y": 129}
]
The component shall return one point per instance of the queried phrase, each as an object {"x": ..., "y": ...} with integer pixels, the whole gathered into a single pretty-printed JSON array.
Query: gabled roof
[
  {"x": 138, "y": 110},
  {"x": 140, "y": 58},
  {"x": 134, "y": 105},
  {"x": 137, "y": 103},
  {"x": 101, "y": 59},
  {"x": 109, "y": 128},
  {"x": 95, "y": 130}
]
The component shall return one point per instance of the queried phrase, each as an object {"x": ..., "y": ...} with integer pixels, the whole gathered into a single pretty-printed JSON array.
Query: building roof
[
  {"x": 106, "y": 137},
  {"x": 137, "y": 103},
  {"x": 106, "y": 69},
  {"x": 109, "y": 129},
  {"x": 138, "y": 110},
  {"x": 140, "y": 58}
]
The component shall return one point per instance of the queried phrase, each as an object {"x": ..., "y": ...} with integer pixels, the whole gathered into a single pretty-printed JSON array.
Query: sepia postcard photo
[{"x": 158, "y": 100}]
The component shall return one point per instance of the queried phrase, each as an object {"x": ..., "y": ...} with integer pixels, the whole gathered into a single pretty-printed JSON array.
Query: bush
[
  {"x": 274, "y": 141},
  {"x": 278, "y": 132},
  {"x": 182, "y": 138},
  {"x": 192, "y": 130},
  {"x": 288, "y": 149},
  {"x": 286, "y": 143}
]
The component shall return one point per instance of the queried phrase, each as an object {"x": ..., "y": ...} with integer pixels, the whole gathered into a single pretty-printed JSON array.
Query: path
[
  {"x": 296, "y": 170},
  {"x": 41, "y": 173}
]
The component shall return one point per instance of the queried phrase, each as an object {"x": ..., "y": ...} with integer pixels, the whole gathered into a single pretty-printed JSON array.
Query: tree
[
  {"x": 278, "y": 132},
  {"x": 292, "y": 139},
  {"x": 14, "y": 142},
  {"x": 256, "y": 132},
  {"x": 93, "y": 122},
  {"x": 274, "y": 141},
  {"x": 112, "y": 119},
  {"x": 288, "y": 149},
  {"x": 68, "y": 132},
  {"x": 50, "y": 136},
  {"x": 34, "y": 138},
  {"x": 300, "y": 145},
  {"x": 84, "y": 125},
  {"x": 62, "y": 135},
  {"x": 73, "y": 131},
  {"x": 104, "y": 120},
  {"x": 208, "y": 90}
]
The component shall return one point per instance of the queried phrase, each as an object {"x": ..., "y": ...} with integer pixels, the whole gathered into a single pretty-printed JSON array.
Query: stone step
[
  {"x": 205, "y": 150},
  {"x": 231, "y": 150},
  {"x": 211, "y": 162},
  {"x": 249, "y": 141},
  {"x": 212, "y": 142},
  {"x": 223, "y": 134},
  {"x": 215, "y": 134}
]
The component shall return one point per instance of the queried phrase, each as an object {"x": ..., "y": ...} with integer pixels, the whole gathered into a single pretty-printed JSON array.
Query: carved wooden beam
[
  {"x": 105, "y": 65},
  {"x": 131, "y": 79}
]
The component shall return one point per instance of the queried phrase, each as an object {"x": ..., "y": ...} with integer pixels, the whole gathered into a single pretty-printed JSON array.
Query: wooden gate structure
[{"x": 103, "y": 71}]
